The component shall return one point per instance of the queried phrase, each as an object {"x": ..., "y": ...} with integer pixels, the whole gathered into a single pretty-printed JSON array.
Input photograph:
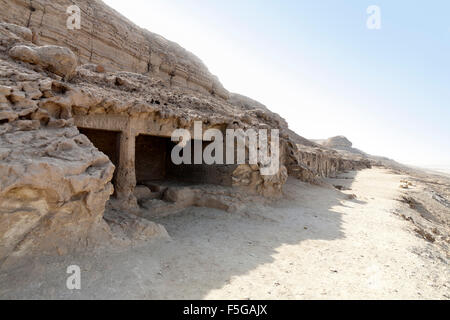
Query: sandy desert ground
[{"x": 317, "y": 243}]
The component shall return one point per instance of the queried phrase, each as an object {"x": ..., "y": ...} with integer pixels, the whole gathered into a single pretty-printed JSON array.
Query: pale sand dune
[{"x": 315, "y": 244}]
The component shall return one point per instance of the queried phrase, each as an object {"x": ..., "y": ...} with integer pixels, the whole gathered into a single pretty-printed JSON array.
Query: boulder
[
  {"x": 134, "y": 227},
  {"x": 142, "y": 193},
  {"x": 53, "y": 189},
  {"x": 58, "y": 60},
  {"x": 19, "y": 31}
]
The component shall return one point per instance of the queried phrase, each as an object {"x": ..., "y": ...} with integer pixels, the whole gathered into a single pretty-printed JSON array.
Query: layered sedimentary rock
[
  {"x": 328, "y": 163},
  {"x": 109, "y": 39},
  {"x": 126, "y": 90}
]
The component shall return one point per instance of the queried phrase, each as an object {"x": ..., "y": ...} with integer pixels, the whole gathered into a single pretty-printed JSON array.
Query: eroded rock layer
[{"x": 109, "y": 39}]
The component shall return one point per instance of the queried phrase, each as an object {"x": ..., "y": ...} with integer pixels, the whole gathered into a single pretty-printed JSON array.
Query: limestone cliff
[
  {"x": 128, "y": 83},
  {"x": 109, "y": 39}
]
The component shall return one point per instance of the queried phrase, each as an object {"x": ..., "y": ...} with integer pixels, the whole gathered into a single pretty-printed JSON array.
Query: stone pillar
[{"x": 126, "y": 172}]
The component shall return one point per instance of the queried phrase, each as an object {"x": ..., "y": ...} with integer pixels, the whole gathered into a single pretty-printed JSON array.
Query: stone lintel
[{"x": 102, "y": 122}]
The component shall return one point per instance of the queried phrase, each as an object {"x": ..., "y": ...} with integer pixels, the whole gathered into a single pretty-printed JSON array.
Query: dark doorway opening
[
  {"x": 154, "y": 163},
  {"x": 151, "y": 158},
  {"x": 107, "y": 142}
]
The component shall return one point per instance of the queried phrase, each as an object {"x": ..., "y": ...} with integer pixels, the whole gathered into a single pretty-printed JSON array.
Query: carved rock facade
[{"x": 72, "y": 137}]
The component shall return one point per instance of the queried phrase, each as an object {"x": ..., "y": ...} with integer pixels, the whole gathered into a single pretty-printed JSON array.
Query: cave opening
[
  {"x": 107, "y": 142},
  {"x": 154, "y": 164}
]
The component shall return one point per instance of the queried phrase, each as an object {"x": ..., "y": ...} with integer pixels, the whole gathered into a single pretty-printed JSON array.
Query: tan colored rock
[
  {"x": 20, "y": 31},
  {"x": 25, "y": 54},
  {"x": 59, "y": 60},
  {"x": 5, "y": 91},
  {"x": 54, "y": 189},
  {"x": 177, "y": 199},
  {"x": 134, "y": 227},
  {"x": 100, "y": 69},
  {"x": 32, "y": 90},
  {"x": 142, "y": 193},
  {"x": 109, "y": 39},
  {"x": 55, "y": 181},
  {"x": 45, "y": 85},
  {"x": 181, "y": 195}
]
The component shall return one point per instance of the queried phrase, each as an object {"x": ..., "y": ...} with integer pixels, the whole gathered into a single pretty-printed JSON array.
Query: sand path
[{"x": 316, "y": 244}]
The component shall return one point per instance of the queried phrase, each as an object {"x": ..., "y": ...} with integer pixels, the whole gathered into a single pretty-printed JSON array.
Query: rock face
[
  {"x": 312, "y": 163},
  {"x": 336, "y": 142},
  {"x": 109, "y": 39},
  {"x": 345, "y": 149},
  {"x": 21, "y": 32},
  {"x": 77, "y": 127},
  {"x": 341, "y": 143},
  {"x": 54, "y": 183}
]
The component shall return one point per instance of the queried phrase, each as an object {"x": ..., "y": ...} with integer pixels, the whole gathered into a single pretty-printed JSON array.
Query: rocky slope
[
  {"x": 345, "y": 148},
  {"x": 109, "y": 39},
  {"x": 341, "y": 143},
  {"x": 55, "y": 183}
]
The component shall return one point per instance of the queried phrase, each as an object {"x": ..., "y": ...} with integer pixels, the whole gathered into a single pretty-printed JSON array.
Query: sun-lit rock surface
[{"x": 128, "y": 83}]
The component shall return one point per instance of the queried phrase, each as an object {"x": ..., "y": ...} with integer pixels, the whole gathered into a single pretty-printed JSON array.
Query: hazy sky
[{"x": 318, "y": 65}]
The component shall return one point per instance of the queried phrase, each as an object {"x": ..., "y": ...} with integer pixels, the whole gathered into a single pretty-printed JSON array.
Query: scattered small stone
[
  {"x": 427, "y": 236},
  {"x": 100, "y": 69}
]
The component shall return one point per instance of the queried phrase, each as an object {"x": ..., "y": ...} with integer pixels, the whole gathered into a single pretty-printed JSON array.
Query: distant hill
[
  {"x": 340, "y": 143},
  {"x": 344, "y": 146}
]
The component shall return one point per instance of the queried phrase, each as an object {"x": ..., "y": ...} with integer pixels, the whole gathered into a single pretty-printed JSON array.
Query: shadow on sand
[{"x": 208, "y": 248}]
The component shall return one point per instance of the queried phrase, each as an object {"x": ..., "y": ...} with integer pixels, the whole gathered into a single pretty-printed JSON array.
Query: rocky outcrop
[
  {"x": 125, "y": 82},
  {"x": 54, "y": 183},
  {"x": 58, "y": 60},
  {"x": 133, "y": 227},
  {"x": 336, "y": 142},
  {"x": 53, "y": 191},
  {"x": 310, "y": 163},
  {"x": 22, "y": 32},
  {"x": 343, "y": 145},
  {"x": 109, "y": 39}
]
